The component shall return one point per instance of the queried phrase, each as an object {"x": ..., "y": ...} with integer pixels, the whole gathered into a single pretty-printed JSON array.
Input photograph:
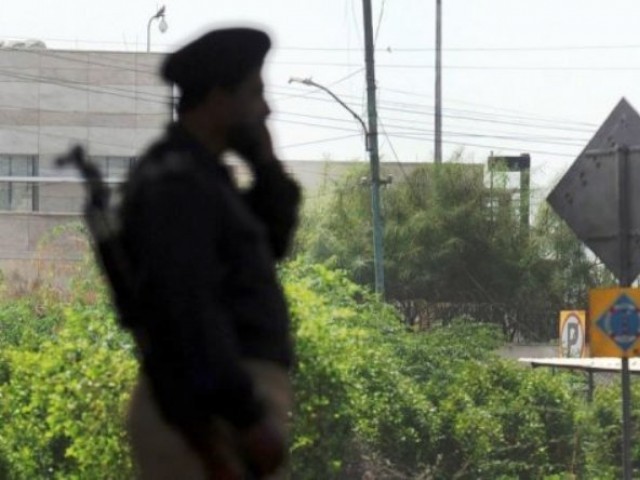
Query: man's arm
[{"x": 274, "y": 196}]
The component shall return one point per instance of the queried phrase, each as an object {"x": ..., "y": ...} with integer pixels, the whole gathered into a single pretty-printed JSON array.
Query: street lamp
[
  {"x": 309, "y": 82},
  {"x": 371, "y": 145},
  {"x": 162, "y": 26}
]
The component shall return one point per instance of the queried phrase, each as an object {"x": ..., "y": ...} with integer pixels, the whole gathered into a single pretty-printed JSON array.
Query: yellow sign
[
  {"x": 573, "y": 333},
  {"x": 614, "y": 322}
]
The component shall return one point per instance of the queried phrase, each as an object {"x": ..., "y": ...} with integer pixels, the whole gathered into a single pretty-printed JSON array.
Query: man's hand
[
  {"x": 264, "y": 447},
  {"x": 253, "y": 143},
  {"x": 230, "y": 454}
]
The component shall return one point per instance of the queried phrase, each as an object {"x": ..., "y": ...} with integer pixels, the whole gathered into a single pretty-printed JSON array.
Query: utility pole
[
  {"x": 378, "y": 255},
  {"x": 438, "y": 119}
]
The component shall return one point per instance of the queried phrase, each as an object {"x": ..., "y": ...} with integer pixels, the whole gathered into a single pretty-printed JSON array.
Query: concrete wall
[
  {"x": 38, "y": 245},
  {"x": 113, "y": 103},
  {"x": 515, "y": 351}
]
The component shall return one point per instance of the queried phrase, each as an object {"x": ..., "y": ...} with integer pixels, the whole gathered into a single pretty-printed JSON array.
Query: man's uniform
[{"x": 211, "y": 318}]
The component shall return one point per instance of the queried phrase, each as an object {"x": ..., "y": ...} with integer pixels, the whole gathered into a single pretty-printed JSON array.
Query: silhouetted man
[{"x": 210, "y": 317}]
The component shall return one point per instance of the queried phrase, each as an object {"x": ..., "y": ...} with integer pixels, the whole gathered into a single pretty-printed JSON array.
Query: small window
[{"x": 18, "y": 196}]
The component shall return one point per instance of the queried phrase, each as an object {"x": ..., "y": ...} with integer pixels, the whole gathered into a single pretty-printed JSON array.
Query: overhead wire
[
  {"x": 392, "y": 49},
  {"x": 564, "y": 140},
  {"x": 403, "y": 108},
  {"x": 74, "y": 58},
  {"x": 525, "y": 68},
  {"x": 404, "y": 49},
  {"x": 420, "y": 109},
  {"x": 522, "y": 115},
  {"x": 84, "y": 87},
  {"x": 160, "y": 99},
  {"x": 409, "y": 137},
  {"x": 315, "y": 142}
]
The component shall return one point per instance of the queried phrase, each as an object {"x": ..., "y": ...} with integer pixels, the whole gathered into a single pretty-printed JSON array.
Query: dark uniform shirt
[{"x": 203, "y": 256}]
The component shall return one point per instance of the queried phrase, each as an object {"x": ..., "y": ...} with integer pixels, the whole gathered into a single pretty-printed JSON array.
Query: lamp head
[{"x": 163, "y": 26}]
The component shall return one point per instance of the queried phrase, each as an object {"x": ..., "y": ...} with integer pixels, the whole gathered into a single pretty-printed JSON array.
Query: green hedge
[{"x": 370, "y": 395}]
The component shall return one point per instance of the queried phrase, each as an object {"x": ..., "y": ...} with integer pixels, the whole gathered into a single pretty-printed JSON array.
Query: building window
[
  {"x": 18, "y": 196},
  {"x": 114, "y": 167}
]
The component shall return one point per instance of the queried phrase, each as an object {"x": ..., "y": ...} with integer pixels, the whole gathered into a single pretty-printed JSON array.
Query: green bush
[
  {"x": 439, "y": 402},
  {"x": 370, "y": 395},
  {"x": 61, "y": 405}
]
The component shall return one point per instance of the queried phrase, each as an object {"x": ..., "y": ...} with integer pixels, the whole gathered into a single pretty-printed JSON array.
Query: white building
[{"x": 114, "y": 104}]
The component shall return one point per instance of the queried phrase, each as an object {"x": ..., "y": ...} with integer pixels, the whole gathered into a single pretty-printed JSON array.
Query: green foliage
[
  {"x": 450, "y": 239},
  {"x": 65, "y": 373},
  {"x": 62, "y": 406},
  {"x": 373, "y": 395},
  {"x": 26, "y": 321}
]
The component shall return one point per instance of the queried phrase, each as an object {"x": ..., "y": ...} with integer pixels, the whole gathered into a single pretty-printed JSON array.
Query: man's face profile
[{"x": 248, "y": 105}]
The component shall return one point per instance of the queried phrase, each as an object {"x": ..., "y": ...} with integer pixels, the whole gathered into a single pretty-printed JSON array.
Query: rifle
[{"x": 105, "y": 234}]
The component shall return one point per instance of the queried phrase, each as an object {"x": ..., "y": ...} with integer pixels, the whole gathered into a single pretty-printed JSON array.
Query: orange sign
[{"x": 614, "y": 322}]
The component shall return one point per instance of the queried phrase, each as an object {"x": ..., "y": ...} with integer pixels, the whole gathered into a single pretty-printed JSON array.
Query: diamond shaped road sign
[
  {"x": 614, "y": 317},
  {"x": 588, "y": 196},
  {"x": 621, "y": 322}
]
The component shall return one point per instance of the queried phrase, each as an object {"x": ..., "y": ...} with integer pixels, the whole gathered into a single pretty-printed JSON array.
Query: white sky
[{"x": 510, "y": 67}]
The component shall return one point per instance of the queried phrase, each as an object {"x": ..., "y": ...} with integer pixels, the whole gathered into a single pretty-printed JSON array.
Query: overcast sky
[{"x": 534, "y": 76}]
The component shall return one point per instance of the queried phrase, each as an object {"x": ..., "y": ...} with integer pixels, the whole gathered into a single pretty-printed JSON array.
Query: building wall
[{"x": 113, "y": 103}]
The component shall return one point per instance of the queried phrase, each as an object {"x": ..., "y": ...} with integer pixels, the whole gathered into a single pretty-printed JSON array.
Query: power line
[
  {"x": 407, "y": 179},
  {"x": 380, "y": 17},
  {"x": 494, "y": 147},
  {"x": 424, "y": 108},
  {"x": 155, "y": 98},
  {"x": 315, "y": 142},
  {"x": 84, "y": 87},
  {"x": 411, "y": 110},
  {"x": 73, "y": 57},
  {"x": 504, "y": 135},
  {"x": 66, "y": 137},
  {"x": 414, "y": 137},
  {"x": 523, "y": 115},
  {"x": 515, "y": 68},
  {"x": 391, "y": 49}
]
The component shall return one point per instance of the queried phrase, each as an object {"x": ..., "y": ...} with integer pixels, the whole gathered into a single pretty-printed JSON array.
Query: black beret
[{"x": 220, "y": 58}]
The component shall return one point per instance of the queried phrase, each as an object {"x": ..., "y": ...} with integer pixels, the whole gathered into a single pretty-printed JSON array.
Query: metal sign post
[{"x": 625, "y": 281}]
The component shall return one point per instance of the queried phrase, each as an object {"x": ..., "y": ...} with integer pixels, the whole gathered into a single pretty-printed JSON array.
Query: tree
[{"x": 449, "y": 240}]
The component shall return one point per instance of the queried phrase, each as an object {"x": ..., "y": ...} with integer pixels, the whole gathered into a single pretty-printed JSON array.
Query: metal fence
[{"x": 519, "y": 325}]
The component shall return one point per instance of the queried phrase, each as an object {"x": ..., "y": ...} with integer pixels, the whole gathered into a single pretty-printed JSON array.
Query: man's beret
[{"x": 220, "y": 58}]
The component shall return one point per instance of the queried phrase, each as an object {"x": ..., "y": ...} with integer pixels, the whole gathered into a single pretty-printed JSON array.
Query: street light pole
[
  {"x": 162, "y": 25},
  {"x": 368, "y": 146},
  {"x": 311, "y": 83},
  {"x": 378, "y": 254},
  {"x": 438, "y": 113}
]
